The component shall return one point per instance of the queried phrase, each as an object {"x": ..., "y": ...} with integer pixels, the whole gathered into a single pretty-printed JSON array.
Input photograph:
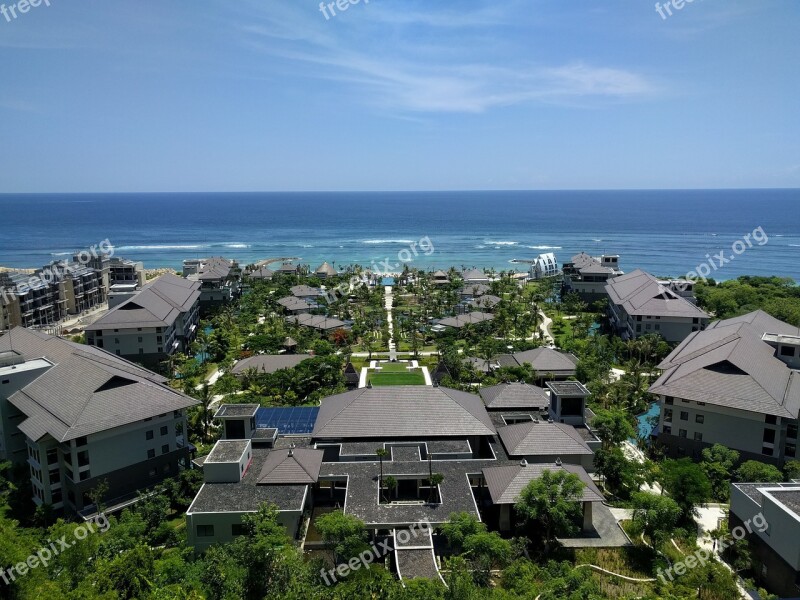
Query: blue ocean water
[{"x": 664, "y": 232}]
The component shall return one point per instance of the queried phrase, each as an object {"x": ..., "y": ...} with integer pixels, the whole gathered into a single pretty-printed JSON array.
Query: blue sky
[{"x": 252, "y": 95}]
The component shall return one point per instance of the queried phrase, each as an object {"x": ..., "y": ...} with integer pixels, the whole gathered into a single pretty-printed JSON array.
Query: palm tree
[
  {"x": 391, "y": 485},
  {"x": 382, "y": 453},
  {"x": 206, "y": 397},
  {"x": 435, "y": 480}
]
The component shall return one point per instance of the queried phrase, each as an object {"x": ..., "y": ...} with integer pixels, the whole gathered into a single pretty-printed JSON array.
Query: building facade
[
  {"x": 734, "y": 384},
  {"x": 78, "y": 416}
]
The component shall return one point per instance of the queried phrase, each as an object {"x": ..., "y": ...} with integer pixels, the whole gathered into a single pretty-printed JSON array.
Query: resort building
[
  {"x": 49, "y": 295},
  {"x": 318, "y": 322},
  {"x": 325, "y": 271},
  {"x": 425, "y": 430},
  {"x": 268, "y": 363},
  {"x": 260, "y": 274},
  {"x": 296, "y": 306},
  {"x": 769, "y": 514},
  {"x": 475, "y": 276},
  {"x": 460, "y": 321},
  {"x": 735, "y": 384},
  {"x": 159, "y": 321},
  {"x": 587, "y": 275},
  {"x": 549, "y": 364},
  {"x": 544, "y": 265},
  {"x": 77, "y": 415},
  {"x": 440, "y": 278},
  {"x": 638, "y": 304},
  {"x": 473, "y": 291},
  {"x": 219, "y": 280}
]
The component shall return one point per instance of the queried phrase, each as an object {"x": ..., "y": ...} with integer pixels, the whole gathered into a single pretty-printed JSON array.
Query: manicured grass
[{"x": 389, "y": 378}]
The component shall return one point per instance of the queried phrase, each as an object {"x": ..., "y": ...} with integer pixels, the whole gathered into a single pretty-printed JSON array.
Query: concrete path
[
  {"x": 633, "y": 453},
  {"x": 362, "y": 379},
  {"x": 387, "y": 291},
  {"x": 544, "y": 327},
  {"x": 426, "y": 374}
]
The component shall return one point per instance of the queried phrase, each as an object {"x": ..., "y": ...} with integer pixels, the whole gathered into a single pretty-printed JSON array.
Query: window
[
  {"x": 787, "y": 351},
  {"x": 56, "y": 496},
  {"x": 116, "y": 340},
  {"x": 698, "y": 437},
  {"x": 151, "y": 453},
  {"x": 790, "y": 450},
  {"x": 83, "y": 458},
  {"x": 766, "y": 451},
  {"x": 140, "y": 339},
  {"x": 770, "y": 419},
  {"x": 5, "y": 381},
  {"x": 84, "y": 475},
  {"x": 658, "y": 326},
  {"x": 55, "y": 477},
  {"x": 638, "y": 328},
  {"x": 668, "y": 400},
  {"x": 205, "y": 531},
  {"x": 237, "y": 529},
  {"x": 769, "y": 436},
  {"x": 699, "y": 419},
  {"x": 684, "y": 415},
  {"x": 118, "y": 352},
  {"x": 682, "y": 433},
  {"x": 791, "y": 431},
  {"x": 668, "y": 414},
  {"x": 160, "y": 349},
  {"x": 149, "y": 435},
  {"x": 158, "y": 339},
  {"x": 648, "y": 326},
  {"x": 164, "y": 430},
  {"x": 141, "y": 350},
  {"x": 81, "y": 441},
  {"x": 165, "y": 449},
  {"x": 667, "y": 429}
]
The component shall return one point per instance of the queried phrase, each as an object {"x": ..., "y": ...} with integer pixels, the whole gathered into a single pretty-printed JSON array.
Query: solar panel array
[{"x": 293, "y": 420}]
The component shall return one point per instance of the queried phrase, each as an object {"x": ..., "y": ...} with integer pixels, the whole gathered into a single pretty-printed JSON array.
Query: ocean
[{"x": 668, "y": 233}]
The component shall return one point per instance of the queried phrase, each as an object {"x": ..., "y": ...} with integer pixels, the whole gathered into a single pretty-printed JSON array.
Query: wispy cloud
[{"x": 398, "y": 77}]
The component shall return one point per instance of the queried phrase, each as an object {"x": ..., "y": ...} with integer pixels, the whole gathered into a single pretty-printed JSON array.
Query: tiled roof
[
  {"x": 640, "y": 293},
  {"x": 158, "y": 304},
  {"x": 514, "y": 396},
  {"x": 269, "y": 363},
  {"x": 543, "y": 439},
  {"x": 291, "y": 467},
  {"x": 87, "y": 390},
  {"x": 729, "y": 365},
  {"x": 506, "y": 483},
  {"x": 544, "y": 360},
  {"x": 402, "y": 411}
]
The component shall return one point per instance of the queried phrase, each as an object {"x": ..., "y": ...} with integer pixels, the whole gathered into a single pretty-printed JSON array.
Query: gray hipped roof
[
  {"x": 728, "y": 364},
  {"x": 291, "y": 467},
  {"x": 543, "y": 360},
  {"x": 506, "y": 483},
  {"x": 640, "y": 293},
  {"x": 269, "y": 363},
  {"x": 402, "y": 411},
  {"x": 158, "y": 304},
  {"x": 86, "y": 391},
  {"x": 517, "y": 396},
  {"x": 543, "y": 439}
]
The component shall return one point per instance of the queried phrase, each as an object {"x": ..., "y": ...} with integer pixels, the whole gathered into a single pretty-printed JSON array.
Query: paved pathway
[
  {"x": 544, "y": 327},
  {"x": 388, "y": 305},
  {"x": 633, "y": 453}
]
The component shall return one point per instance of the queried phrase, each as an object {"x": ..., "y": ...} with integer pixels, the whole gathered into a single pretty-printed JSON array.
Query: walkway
[
  {"x": 390, "y": 324},
  {"x": 544, "y": 327},
  {"x": 633, "y": 453}
]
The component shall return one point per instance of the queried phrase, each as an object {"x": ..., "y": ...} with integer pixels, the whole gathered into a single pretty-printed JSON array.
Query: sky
[{"x": 279, "y": 95}]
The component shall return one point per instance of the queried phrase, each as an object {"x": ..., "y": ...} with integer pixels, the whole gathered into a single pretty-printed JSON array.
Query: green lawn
[{"x": 408, "y": 378}]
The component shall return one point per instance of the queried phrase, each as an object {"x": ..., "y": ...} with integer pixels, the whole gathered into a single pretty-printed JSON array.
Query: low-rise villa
[{"x": 424, "y": 430}]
